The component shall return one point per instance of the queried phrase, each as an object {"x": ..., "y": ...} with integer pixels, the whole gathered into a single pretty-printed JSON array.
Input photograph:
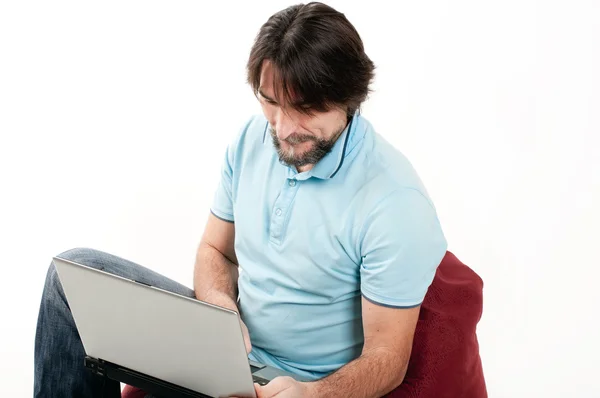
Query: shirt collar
[{"x": 329, "y": 166}]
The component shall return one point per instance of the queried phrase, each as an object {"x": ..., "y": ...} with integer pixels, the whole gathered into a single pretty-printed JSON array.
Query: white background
[{"x": 114, "y": 118}]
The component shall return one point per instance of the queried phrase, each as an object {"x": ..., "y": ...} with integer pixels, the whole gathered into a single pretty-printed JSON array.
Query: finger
[
  {"x": 274, "y": 387},
  {"x": 246, "y": 334},
  {"x": 258, "y": 390},
  {"x": 248, "y": 344}
]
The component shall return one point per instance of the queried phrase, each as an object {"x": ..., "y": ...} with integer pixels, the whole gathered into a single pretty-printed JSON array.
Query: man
[{"x": 333, "y": 232}]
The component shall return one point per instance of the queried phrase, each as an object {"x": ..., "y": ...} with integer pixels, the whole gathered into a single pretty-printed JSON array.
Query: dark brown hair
[{"x": 318, "y": 57}]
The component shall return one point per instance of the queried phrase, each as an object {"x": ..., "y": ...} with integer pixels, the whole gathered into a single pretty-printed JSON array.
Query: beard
[{"x": 320, "y": 147}]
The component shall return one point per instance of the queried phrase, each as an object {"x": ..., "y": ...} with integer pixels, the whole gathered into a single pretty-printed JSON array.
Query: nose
[{"x": 285, "y": 124}]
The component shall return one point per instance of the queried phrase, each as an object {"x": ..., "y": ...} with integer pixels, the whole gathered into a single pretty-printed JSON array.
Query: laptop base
[{"x": 149, "y": 384}]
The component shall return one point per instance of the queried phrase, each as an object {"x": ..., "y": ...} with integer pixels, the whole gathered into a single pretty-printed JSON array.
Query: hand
[
  {"x": 246, "y": 334},
  {"x": 283, "y": 387},
  {"x": 225, "y": 301}
]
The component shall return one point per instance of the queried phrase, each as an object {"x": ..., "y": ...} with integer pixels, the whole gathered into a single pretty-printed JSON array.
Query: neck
[{"x": 306, "y": 167}]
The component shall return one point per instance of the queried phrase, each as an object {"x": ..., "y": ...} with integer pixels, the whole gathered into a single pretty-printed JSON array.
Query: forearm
[
  {"x": 373, "y": 374},
  {"x": 215, "y": 277}
]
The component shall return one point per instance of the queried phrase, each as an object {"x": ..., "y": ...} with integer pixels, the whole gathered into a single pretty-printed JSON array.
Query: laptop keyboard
[{"x": 260, "y": 380}]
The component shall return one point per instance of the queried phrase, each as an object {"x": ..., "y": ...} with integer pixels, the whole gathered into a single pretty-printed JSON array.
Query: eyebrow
[{"x": 262, "y": 94}]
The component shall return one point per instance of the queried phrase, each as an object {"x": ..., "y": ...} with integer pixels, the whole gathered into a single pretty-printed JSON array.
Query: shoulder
[{"x": 386, "y": 177}]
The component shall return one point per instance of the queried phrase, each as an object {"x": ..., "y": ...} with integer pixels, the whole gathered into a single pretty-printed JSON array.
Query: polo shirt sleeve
[
  {"x": 224, "y": 198},
  {"x": 401, "y": 246},
  {"x": 222, "y": 206}
]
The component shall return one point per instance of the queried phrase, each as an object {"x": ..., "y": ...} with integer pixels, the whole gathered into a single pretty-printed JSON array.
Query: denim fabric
[{"x": 59, "y": 353}]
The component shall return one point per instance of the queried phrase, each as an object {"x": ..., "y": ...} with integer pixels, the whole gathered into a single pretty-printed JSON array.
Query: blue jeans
[{"x": 59, "y": 353}]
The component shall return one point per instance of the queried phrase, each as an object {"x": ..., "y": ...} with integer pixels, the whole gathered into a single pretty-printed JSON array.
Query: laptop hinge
[{"x": 95, "y": 365}]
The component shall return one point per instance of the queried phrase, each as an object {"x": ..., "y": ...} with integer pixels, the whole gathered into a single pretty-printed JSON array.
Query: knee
[
  {"x": 89, "y": 257},
  {"x": 85, "y": 256},
  {"x": 52, "y": 283}
]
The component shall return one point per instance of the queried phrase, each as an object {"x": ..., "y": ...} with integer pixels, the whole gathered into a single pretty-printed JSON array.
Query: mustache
[
  {"x": 299, "y": 138},
  {"x": 293, "y": 139}
]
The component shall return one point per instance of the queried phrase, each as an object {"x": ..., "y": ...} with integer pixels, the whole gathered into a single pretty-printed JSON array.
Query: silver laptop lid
[{"x": 174, "y": 338}]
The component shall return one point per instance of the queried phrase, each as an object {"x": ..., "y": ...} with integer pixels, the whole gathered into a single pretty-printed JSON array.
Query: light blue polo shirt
[{"x": 310, "y": 244}]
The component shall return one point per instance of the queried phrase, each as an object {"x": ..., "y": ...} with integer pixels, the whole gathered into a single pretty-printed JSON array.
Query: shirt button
[
  {"x": 278, "y": 212},
  {"x": 292, "y": 183}
]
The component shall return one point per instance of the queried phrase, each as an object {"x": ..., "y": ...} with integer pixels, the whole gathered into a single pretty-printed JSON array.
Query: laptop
[{"x": 165, "y": 343}]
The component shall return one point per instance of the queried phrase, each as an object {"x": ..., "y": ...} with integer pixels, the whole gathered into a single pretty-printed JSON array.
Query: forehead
[
  {"x": 270, "y": 82},
  {"x": 267, "y": 75}
]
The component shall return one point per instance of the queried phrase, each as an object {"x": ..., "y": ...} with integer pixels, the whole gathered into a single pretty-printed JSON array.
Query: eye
[{"x": 267, "y": 101}]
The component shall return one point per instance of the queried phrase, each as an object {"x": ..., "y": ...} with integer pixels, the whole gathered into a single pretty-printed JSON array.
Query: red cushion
[
  {"x": 132, "y": 392},
  {"x": 445, "y": 360}
]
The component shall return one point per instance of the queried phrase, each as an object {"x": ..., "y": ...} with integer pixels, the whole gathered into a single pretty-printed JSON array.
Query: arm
[
  {"x": 216, "y": 268},
  {"x": 382, "y": 365}
]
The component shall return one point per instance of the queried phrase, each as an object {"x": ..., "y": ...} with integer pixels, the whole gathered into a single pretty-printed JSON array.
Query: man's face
[{"x": 301, "y": 140}]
